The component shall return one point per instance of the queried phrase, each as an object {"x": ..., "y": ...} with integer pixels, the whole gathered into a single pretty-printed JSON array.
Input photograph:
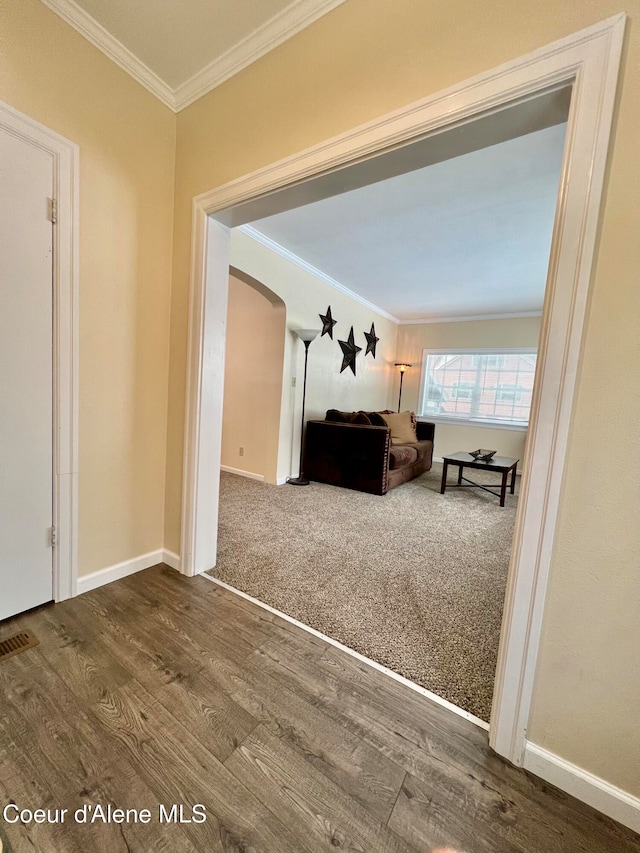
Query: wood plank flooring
[{"x": 161, "y": 689}]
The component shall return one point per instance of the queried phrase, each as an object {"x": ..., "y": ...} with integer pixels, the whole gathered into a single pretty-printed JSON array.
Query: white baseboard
[
  {"x": 279, "y": 482},
  {"x": 171, "y": 559},
  {"x": 242, "y": 473},
  {"x": 596, "y": 792},
  {"x": 120, "y": 570}
]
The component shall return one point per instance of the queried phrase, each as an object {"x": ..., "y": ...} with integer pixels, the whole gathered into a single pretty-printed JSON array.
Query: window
[
  {"x": 462, "y": 391},
  {"x": 479, "y": 386},
  {"x": 495, "y": 361},
  {"x": 508, "y": 393}
]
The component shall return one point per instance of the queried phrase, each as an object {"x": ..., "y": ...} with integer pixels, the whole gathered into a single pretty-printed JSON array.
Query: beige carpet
[{"x": 414, "y": 580}]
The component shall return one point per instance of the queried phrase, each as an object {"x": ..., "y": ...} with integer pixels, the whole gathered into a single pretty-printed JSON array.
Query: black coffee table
[{"x": 463, "y": 460}]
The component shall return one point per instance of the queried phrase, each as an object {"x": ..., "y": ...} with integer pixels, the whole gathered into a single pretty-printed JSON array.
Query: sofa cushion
[
  {"x": 403, "y": 430},
  {"x": 376, "y": 419},
  {"x": 338, "y": 417},
  {"x": 335, "y": 416},
  {"x": 424, "y": 448},
  {"x": 401, "y": 455}
]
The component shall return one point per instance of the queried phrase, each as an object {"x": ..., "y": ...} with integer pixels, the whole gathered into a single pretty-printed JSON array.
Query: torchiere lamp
[
  {"x": 306, "y": 336},
  {"x": 402, "y": 367}
]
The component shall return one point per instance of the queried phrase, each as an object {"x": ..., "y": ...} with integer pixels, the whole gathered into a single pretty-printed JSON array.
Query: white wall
[
  {"x": 413, "y": 339},
  {"x": 305, "y": 297}
]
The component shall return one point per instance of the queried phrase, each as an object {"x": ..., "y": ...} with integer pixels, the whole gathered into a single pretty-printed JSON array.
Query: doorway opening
[
  {"x": 587, "y": 61},
  {"x": 409, "y": 578}
]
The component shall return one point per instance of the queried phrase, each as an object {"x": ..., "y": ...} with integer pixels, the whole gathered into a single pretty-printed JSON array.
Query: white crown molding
[
  {"x": 94, "y": 32},
  {"x": 292, "y": 19},
  {"x": 471, "y": 318},
  {"x": 299, "y": 262},
  {"x": 283, "y": 26}
]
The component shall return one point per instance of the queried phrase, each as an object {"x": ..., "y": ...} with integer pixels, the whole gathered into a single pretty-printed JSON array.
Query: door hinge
[
  {"x": 53, "y": 210},
  {"x": 52, "y": 536}
]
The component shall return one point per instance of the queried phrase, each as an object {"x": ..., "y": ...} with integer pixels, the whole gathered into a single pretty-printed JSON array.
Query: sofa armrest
[
  {"x": 355, "y": 456},
  {"x": 425, "y": 431}
]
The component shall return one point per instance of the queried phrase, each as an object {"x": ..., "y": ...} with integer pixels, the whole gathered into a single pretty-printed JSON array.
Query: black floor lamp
[
  {"x": 306, "y": 336},
  {"x": 402, "y": 367}
]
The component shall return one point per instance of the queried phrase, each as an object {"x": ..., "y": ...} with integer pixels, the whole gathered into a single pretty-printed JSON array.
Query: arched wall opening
[{"x": 253, "y": 378}]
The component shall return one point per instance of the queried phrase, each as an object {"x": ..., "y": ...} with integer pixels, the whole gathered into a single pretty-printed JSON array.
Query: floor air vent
[{"x": 16, "y": 644}]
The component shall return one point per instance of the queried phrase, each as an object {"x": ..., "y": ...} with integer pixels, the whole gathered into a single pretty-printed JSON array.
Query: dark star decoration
[
  {"x": 371, "y": 341},
  {"x": 349, "y": 353},
  {"x": 327, "y": 323}
]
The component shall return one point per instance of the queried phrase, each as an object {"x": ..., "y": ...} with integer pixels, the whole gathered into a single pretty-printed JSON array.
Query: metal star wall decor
[
  {"x": 327, "y": 323},
  {"x": 371, "y": 341},
  {"x": 349, "y": 353}
]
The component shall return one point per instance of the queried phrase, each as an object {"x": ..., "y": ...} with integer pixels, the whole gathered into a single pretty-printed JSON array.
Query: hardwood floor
[{"x": 159, "y": 689}]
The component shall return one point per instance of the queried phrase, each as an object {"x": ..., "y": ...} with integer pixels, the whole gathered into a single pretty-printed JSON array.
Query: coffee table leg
[
  {"x": 513, "y": 479},
  {"x": 460, "y": 470},
  {"x": 443, "y": 484},
  {"x": 503, "y": 490}
]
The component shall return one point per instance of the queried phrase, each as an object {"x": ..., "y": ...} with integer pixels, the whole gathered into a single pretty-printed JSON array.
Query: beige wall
[
  {"x": 127, "y": 148},
  {"x": 361, "y": 61},
  {"x": 413, "y": 339},
  {"x": 254, "y": 357},
  {"x": 305, "y": 297}
]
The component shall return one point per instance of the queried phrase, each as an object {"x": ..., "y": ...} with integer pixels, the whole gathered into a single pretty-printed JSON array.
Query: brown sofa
[{"x": 345, "y": 450}]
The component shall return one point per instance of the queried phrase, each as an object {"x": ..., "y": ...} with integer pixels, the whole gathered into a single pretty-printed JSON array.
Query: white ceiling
[
  {"x": 181, "y": 49},
  {"x": 466, "y": 237}
]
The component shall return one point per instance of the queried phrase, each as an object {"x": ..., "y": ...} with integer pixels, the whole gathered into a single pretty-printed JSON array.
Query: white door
[{"x": 26, "y": 375}]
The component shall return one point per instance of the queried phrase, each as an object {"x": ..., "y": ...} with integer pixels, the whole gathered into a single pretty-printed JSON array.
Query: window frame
[{"x": 475, "y": 422}]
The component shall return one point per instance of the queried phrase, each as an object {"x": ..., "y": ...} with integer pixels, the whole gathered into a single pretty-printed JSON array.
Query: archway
[{"x": 254, "y": 360}]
